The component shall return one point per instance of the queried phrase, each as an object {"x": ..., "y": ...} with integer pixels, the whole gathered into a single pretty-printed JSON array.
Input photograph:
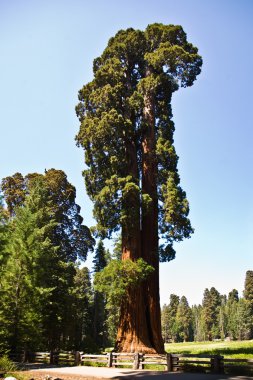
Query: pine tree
[
  {"x": 248, "y": 287},
  {"x": 46, "y": 238},
  {"x": 165, "y": 323},
  {"x": 100, "y": 315},
  {"x": 211, "y": 304},
  {"x": 244, "y": 320},
  {"x": 184, "y": 320},
  {"x": 3, "y": 234},
  {"x": 198, "y": 323},
  {"x": 80, "y": 333},
  {"x": 23, "y": 295},
  {"x": 4, "y": 254},
  {"x": 99, "y": 260},
  {"x": 248, "y": 295},
  {"x": 131, "y": 176},
  {"x": 231, "y": 314},
  {"x": 172, "y": 312}
]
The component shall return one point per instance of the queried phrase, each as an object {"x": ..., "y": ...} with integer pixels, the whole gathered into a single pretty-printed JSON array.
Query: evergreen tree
[
  {"x": 248, "y": 287},
  {"x": 14, "y": 191},
  {"x": 46, "y": 238},
  {"x": 222, "y": 317},
  {"x": 211, "y": 304},
  {"x": 198, "y": 323},
  {"x": 3, "y": 234},
  {"x": 80, "y": 332},
  {"x": 73, "y": 238},
  {"x": 4, "y": 333},
  {"x": 165, "y": 321},
  {"x": 23, "y": 295},
  {"x": 248, "y": 295},
  {"x": 99, "y": 260},
  {"x": 244, "y": 320},
  {"x": 233, "y": 296},
  {"x": 231, "y": 314},
  {"x": 131, "y": 176},
  {"x": 184, "y": 320},
  {"x": 100, "y": 315},
  {"x": 172, "y": 312}
]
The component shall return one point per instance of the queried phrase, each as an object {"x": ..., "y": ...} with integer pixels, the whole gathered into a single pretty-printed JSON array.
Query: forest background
[{"x": 47, "y": 52}]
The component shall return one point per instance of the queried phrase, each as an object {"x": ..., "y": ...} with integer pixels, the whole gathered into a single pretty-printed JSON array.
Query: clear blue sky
[{"x": 46, "y": 53}]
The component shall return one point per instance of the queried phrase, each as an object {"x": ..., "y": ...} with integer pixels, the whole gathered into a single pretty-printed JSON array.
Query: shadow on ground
[{"x": 178, "y": 376}]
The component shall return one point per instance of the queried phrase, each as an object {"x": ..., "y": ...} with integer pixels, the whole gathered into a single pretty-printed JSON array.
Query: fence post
[
  {"x": 77, "y": 358},
  {"x": 141, "y": 361},
  {"x": 136, "y": 361},
  {"x": 169, "y": 363},
  {"x": 221, "y": 364},
  {"x": 216, "y": 364},
  {"x": 52, "y": 361},
  {"x": 24, "y": 356},
  {"x": 109, "y": 363}
]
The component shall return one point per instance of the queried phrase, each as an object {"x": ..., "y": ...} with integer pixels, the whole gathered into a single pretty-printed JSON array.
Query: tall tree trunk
[
  {"x": 150, "y": 221},
  {"x": 132, "y": 331},
  {"x": 140, "y": 317}
]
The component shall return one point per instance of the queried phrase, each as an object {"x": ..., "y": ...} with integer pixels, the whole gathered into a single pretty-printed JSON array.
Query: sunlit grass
[{"x": 234, "y": 349}]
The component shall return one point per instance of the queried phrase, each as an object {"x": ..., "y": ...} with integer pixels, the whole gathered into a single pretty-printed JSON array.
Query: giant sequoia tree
[{"x": 131, "y": 176}]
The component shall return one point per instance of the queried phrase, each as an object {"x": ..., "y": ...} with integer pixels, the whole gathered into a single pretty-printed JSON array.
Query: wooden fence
[{"x": 167, "y": 362}]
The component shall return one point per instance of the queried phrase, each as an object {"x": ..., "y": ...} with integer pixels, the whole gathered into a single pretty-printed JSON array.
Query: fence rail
[{"x": 168, "y": 362}]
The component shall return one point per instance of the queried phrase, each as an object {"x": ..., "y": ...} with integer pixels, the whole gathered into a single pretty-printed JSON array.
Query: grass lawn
[{"x": 234, "y": 349}]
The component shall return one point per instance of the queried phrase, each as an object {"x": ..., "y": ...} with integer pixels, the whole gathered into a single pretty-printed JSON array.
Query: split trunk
[{"x": 140, "y": 319}]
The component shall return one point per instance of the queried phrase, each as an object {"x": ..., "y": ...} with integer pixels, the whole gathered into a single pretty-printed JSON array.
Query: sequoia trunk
[
  {"x": 132, "y": 333},
  {"x": 140, "y": 320},
  {"x": 150, "y": 222}
]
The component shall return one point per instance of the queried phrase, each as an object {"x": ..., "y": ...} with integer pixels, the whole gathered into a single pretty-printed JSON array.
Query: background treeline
[
  {"x": 218, "y": 317},
  {"x": 46, "y": 297}
]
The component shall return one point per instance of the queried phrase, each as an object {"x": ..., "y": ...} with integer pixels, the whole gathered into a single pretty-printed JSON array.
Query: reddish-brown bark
[
  {"x": 132, "y": 335},
  {"x": 140, "y": 321},
  {"x": 150, "y": 223}
]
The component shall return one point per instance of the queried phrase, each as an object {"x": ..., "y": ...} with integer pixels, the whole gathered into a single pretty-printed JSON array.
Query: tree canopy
[{"x": 136, "y": 66}]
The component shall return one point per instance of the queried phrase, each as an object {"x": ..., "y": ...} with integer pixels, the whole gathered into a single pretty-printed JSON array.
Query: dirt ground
[{"x": 94, "y": 373}]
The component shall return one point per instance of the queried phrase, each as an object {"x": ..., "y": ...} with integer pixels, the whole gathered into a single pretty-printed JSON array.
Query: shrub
[{"x": 6, "y": 365}]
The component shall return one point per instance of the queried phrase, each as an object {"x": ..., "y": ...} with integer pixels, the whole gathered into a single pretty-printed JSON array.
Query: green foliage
[
  {"x": 244, "y": 319},
  {"x": 184, "y": 320},
  {"x": 169, "y": 313},
  {"x": 248, "y": 288},
  {"x": 14, "y": 191},
  {"x": 45, "y": 237},
  {"x": 69, "y": 234},
  {"x": 198, "y": 323},
  {"x": 246, "y": 309},
  {"x": 6, "y": 364},
  {"x": 118, "y": 276},
  {"x": 113, "y": 282},
  {"x": 21, "y": 288},
  {"x": 117, "y": 250},
  {"x": 3, "y": 234},
  {"x": 99, "y": 260},
  {"x": 100, "y": 315},
  {"x": 211, "y": 304},
  {"x": 81, "y": 311},
  {"x": 136, "y": 66}
]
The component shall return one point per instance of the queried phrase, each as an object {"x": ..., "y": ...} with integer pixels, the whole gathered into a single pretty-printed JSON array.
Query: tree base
[{"x": 132, "y": 346}]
